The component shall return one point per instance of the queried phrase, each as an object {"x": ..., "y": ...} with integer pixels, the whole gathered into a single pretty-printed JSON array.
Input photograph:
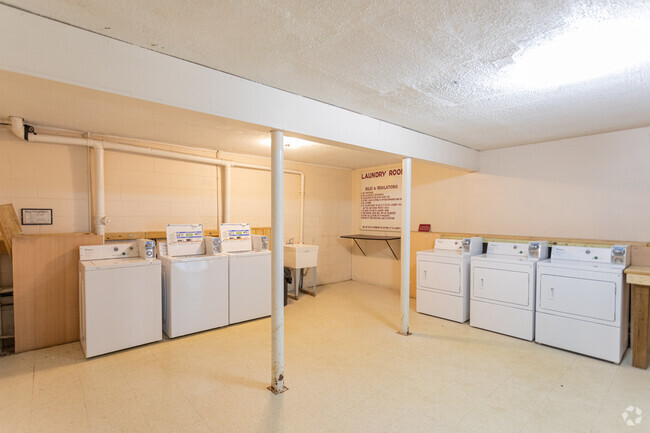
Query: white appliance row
[
  {"x": 122, "y": 304},
  {"x": 577, "y": 300},
  {"x": 202, "y": 292}
]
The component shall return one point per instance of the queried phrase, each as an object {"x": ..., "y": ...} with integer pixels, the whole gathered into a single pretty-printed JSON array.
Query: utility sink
[{"x": 299, "y": 256}]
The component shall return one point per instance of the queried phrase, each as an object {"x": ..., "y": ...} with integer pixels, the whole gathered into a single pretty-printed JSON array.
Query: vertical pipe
[
  {"x": 406, "y": 243},
  {"x": 302, "y": 208},
  {"x": 100, "y": 216},
  {"x": 277, "y": 262},
  {"x": 91, "y": 191},
  {"x": 226, "y": 193}
]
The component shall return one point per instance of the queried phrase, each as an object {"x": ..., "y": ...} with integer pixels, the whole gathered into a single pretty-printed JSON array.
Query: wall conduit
[{"x": 26, "y": 132}]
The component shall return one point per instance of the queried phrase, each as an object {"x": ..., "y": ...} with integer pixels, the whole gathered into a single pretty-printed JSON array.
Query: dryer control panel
[
  {"x": 534, "y": 250},
  {"x": 467, "y": 246},
  {"x": 508, "y": 248},
  {"x": 617, "y": 254},
  {"x": 449, "y": 244}
]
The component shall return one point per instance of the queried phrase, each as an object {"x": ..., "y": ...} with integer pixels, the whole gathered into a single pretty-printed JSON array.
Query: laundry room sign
[{"x": 381, "y": 199}]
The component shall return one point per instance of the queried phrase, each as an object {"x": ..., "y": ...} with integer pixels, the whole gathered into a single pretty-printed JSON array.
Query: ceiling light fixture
[
  {"x": 290, "y": 142},
  {"x": 590, "y": 49}
]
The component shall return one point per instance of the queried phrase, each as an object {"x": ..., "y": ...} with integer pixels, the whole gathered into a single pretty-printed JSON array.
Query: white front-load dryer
[
  {"x": 502, "y": 295},
  {"x": 583, "y": 301},
  {"x": 443, "y": 278}
]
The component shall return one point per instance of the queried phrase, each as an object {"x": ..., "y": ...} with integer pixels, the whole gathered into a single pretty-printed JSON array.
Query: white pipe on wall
[
  {"x": 100, "y": 214},
  {"x": 301, "y": 222},
  {"x": 17, "y": 127},
  {"x": 226, "y": 192},
  {"x": 405, "y": 255},
  {"x": 277, "y": 262}
]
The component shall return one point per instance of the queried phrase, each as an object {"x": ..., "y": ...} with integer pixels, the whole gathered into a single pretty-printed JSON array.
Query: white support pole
[
  {"x": 277, "y": 262},
  {"x": 406, "y": 244},
  {"x": 226, "y": 194}
]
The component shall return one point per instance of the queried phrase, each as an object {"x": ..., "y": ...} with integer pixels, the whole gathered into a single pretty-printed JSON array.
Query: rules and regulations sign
[{"x": 381, "y": 199}]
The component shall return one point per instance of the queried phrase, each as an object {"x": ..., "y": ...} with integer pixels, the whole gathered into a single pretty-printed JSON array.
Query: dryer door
[
  {"x": 582, "y": 297},
  {"x": 501, "y": 286},
  {"x": 440, "y": 276}
]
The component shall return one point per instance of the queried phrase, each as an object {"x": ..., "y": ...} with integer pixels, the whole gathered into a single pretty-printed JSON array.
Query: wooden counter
[{"x": 639, "y": 278}]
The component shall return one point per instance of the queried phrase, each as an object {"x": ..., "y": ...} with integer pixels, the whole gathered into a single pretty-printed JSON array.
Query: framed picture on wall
[{"x": 36, "y": 217}]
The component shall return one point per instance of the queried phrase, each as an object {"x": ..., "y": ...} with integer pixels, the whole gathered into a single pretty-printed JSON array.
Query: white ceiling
[
  {"x": 433, "y": 66},
  {"x": 51, "y": 104}
]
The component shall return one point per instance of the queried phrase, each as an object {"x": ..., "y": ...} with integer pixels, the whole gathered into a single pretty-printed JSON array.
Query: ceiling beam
[{"x": 41, "y": 47}]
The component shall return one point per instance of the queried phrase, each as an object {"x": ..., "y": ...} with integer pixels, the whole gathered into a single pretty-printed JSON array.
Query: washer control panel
[{"x": 109, "y": 251}]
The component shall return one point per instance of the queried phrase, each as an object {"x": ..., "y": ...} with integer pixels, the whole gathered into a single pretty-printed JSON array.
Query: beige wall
[
  {"x": 328, "y": 206},
  {"x": 146, "y": 193},
  {"x": 595, "y": 187},
  {"x": 379, "y": 265},
  {"x": 45, "y": 176}
]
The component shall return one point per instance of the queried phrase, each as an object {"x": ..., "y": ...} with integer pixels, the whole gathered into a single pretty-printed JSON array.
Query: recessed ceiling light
[{"x": 588, "y": 50}]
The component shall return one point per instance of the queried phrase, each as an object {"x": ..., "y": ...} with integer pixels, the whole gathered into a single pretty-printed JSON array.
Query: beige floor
[{"x": 347, "y": 370}]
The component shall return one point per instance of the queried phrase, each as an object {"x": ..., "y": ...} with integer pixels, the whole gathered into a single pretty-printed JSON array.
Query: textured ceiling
[
  {"x": 438, "y": 67},
  {"x": 106, "y": 114}
]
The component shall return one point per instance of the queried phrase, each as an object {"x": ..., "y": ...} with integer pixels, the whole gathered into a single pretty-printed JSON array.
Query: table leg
[
  {"x": 640, "y": 312},
  {"x": 295, "y": 284},
  {"x": 313, "y": 291}
]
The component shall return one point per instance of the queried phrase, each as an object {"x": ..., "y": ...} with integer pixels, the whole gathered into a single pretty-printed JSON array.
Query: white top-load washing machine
[
  {"x": 195, "y": 291},
  {"x": 249, "y": 273},
  {"x": 502, "y": 295},
  {"x": 583, "y": 301},
  {"x": 119, "y": 296},
  {"x": 443, "y": 278},
  {"x": 250, "y": 285}
]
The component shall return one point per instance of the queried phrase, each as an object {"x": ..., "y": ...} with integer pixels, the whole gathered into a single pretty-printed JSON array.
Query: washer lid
[
  {"x": 583, "y": 266},
  {"x": 249, "y": 253},
  {"x": 90, "y": 265},
  {"x": 196, "y": 258}
]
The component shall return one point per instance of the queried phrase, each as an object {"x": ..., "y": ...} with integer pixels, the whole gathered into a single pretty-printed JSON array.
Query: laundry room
[{"x": 251, "y": 222}]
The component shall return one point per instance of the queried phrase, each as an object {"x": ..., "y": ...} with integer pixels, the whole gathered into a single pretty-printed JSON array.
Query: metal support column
[
  {"x": 277, "y": 262},
  {"x": 406, "y": 244}
]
